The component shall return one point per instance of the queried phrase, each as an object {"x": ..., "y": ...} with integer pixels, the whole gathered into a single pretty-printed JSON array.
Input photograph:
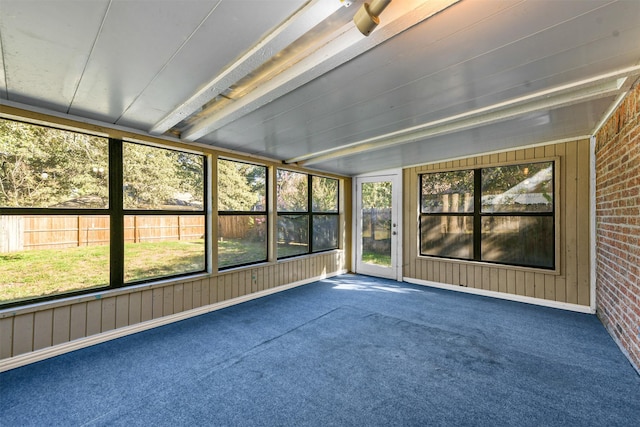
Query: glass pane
[
  {"x": 49, "y": 255},
  {"x": 324, "y": 194},
  {"x": 292, "y": 191},
  {"x": 242, "y": 239},
  {"x": 293, "y": 235},
  {"x": 376, "y": 223},
  {"x": 42, "y": 167},
  {"x": 157, "y": 178},
  {"x": 241, "y": 186},
  {"x": 447, "y": 236},
  {"x": 526, "y": 241},
  {"x": 521, "y": 188},
  {"x": 325, "y": 232},
  {"x": 447, "y": 192},
  {"x": 158, "y": 246}
]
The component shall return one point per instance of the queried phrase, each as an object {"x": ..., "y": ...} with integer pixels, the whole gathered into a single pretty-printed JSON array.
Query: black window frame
[
  {"x": 310, "y": 213},
  {"x": 264, "y": 212},
  {"x": 477, "y": 215},
  {"x": 116, "y": 213}
]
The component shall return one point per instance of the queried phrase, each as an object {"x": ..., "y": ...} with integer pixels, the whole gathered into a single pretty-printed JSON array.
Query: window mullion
[
  {"x": 477, "y": 218},
  {"x": 116, "y": 214}
]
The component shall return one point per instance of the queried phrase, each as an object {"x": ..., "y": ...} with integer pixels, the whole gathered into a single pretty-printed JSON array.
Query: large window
[
  {"x": 164, "y": 216},
  {"x": 54, "y": 219},
  {"x": 80, "y": 212},
  {"x": 502, "y": 214},
  {"x": 308, "y": 213},
  {"x": 242, "y": 213}
]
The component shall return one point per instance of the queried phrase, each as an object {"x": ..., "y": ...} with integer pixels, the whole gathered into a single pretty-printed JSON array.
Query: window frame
[
  {"x": 477, "y": 215},
  {"x": 116, "y": 213},
  {"x": 264, "y": 212},
  {"x": 310, "y": 213}
]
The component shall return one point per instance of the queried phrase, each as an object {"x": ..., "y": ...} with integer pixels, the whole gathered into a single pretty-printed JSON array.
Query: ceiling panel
[
  {"x": 221, "y": 38},
  {"x": 410, "y": 82},
  {"x": 136, "y": 41},
  {"x": 535, "y": 128},
  {"x": 45, "y": 47}
]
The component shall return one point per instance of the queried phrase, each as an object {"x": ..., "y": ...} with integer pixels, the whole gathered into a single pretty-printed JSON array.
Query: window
[
  {"x": 242, "y": 213},
  {"x": 54, "y": 219},
  {"x": 80, "y": 213},
  {"x": 164, "y": 216},
  {"x": 308, "y": 214},
  {"x": 502, "y": 214}
]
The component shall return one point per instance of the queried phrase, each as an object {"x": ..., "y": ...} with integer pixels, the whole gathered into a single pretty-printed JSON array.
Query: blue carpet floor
[{"x": 346, "y": 351}]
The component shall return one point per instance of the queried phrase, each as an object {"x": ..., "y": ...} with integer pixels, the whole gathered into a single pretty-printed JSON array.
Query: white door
[{"x": 378, "y": 246}]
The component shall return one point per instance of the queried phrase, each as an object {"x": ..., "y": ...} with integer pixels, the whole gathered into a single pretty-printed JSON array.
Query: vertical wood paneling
[
  {"x": 561, "y": 289},
  {"x": 78, "y": 327},
  {"x": 530, "y": 284},
  {"x": 493, "y": 280},
  {"x": 463, "y": 275},
  {"x": 178, "y": 298},
  {"x": 43, "y": 329},
  {"x": 23, "y": 341},
  {"x": 167, "y": 301},
  {"x": 146, "y": 305},
  {"x": 212, "y": 284},
  {"x": 502, "y": 280},
  {"x": 456, "y": 274},
  {"x": 539, "y": 285},
  {"x": 122, "y": 311},
  {"x": 6, "y": 337},
  {"x": 135, "y": 307},
  {"x": 520, "y": 285},
  {"x": 479, "y": 283},
  {"x": 188, "y": 296},
  {"x": 157, "y": 302},
  {"x": 108, "y": 314},
  {"x": 486, "y": 278},
  {"x": 94, "y": 317},
  {"x": 549, "y": 287},
  {"x": 61, "y": 324},
  {"x": 511, "y": 282}
]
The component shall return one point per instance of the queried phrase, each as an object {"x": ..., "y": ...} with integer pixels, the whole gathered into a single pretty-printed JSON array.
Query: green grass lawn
[
  {"x": 377, "y": 259},
  {"x": 36, "y": 273}
]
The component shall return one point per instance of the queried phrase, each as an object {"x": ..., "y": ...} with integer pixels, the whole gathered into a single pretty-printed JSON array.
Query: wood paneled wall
[
  {"x": 28, "y": 329},
  {"x": 570, "y": 284}
]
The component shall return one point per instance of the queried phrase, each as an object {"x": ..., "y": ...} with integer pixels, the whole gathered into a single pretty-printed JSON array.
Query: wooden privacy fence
[{"x": 41, "y": 232}]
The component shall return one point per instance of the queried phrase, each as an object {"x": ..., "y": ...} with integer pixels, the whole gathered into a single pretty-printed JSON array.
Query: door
[{"x": 378, "y": 230}]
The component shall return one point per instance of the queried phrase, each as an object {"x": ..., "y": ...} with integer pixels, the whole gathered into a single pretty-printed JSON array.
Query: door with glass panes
[{"x": 378, "y": 230}]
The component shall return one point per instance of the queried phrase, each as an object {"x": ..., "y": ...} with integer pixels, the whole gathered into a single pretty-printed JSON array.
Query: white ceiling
[{"x": 426, "y": 85}]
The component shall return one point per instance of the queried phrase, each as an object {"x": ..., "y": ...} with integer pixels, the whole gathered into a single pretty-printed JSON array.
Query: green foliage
[
  {"x": 376, "y": 195},
  {"x": 154, "y": 177},
  {"x": 292, "y": 188},
  {"x": 241, "y": 186},
  {"x": 324, "y": 194},
  {"x": 45, "y": 167}
]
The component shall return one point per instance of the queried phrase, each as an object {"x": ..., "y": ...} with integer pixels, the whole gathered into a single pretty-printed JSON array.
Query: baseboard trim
[
  {"x": 501, "y": 295},
  {"x": 57, "y": 350}
]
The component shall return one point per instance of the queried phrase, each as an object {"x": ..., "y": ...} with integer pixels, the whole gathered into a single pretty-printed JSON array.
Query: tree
[
  {"x": 241, "y": 186},
  {"x": 45, "y": 167}
]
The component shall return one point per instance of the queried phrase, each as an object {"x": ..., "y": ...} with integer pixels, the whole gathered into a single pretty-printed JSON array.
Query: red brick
[{"x": 617, "y": 223}]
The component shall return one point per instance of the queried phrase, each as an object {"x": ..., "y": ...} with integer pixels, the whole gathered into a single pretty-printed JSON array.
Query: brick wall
[{"x": 618, "y": 225}]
